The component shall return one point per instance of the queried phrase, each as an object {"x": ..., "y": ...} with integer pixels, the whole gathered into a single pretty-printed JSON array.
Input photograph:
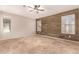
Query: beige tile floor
[{"x": 38, "y": 44}]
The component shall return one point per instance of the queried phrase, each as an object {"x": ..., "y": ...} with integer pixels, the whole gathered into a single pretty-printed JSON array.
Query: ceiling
[{"x": 49, "y": 10}]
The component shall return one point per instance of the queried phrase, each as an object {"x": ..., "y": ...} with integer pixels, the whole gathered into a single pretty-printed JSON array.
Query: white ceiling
[{"x": 49, "y": 10}]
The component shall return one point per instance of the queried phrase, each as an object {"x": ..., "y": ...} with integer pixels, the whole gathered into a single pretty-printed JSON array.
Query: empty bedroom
[{"x": 39, "y": 29}]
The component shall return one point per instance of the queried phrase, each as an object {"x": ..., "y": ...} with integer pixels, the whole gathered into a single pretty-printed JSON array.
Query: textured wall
[{"x": 51, "y": 25}]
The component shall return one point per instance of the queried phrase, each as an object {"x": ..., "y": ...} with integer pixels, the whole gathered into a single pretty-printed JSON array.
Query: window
[
  {"x": 68, "y": 24},
  {"x": 39, "y": 25},
  {"x": 6, "y": 25}
]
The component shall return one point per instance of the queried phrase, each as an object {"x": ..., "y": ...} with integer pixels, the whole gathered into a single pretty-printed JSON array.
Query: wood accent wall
[{"x": 51, "y": 25}]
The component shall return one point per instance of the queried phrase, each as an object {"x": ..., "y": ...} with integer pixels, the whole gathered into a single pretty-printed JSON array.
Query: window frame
[
  {"x": 6, "y": 18},
  {"x": 69, "y": 25}
]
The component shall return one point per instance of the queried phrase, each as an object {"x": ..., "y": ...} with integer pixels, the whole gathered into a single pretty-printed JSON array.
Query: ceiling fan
[{"x": 35, "y": 8}]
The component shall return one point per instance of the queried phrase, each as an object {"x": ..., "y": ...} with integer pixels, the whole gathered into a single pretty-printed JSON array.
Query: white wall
[{"x": 20, "y": 26}]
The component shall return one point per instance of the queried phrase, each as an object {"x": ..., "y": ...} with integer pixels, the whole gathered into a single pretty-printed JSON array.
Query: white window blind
[
  {"x": 68, "y": 24},
  {"x": 39, "y": 25},
  {"x": 6, "y": 25}
]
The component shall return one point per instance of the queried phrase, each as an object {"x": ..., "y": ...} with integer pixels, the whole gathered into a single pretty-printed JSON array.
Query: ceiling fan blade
[
  {"x": 30, "y": 7},
  {"x": 40, "y": 9}
]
